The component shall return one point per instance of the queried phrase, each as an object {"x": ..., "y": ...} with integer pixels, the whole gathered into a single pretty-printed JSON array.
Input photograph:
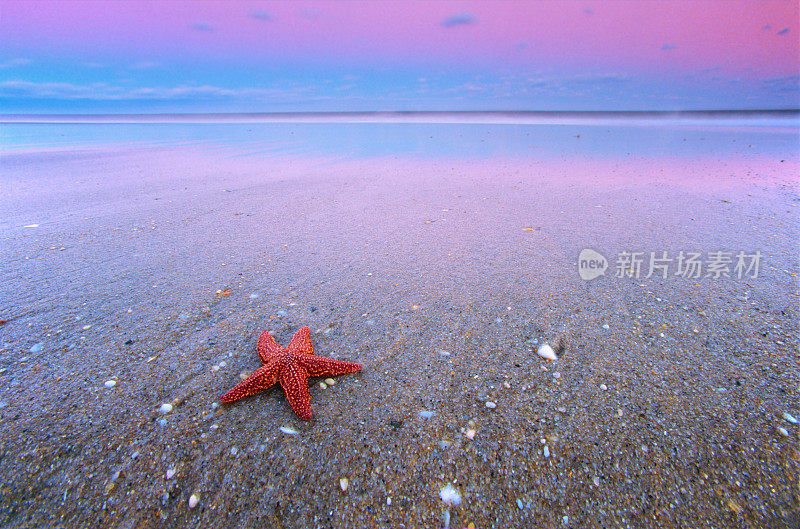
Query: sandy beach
[{"x": 671, "y": 403}]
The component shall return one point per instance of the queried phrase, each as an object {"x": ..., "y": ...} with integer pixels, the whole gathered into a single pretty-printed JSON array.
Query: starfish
[{"x": 291, "y": 367}]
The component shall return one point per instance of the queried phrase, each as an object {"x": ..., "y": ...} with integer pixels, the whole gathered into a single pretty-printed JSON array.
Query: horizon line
[{"x": 396, "y": 116}]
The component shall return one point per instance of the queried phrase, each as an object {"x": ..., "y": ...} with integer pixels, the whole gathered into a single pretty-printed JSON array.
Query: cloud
[
  {"x": 667, "y": 47},
  {"x": 258, "y": 14},
  {"x": 13, "y": 63},
  {"x": 145, "y": 65},
  {"x": 202, "y": 26},
  {"x": 105, "y": 92},
  {"x": 789, "y": 84},
  {"x": 784, "y": 31},
  {"x": 310, "y": 13},
  {"x": 462, "y": 19}
]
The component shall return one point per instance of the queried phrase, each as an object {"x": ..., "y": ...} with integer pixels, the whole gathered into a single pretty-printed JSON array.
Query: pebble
[
  {"x": 606, "y": 326},
  {"x": 545, "y": 351},
  {"x": 444, "y": 353},
  {"x": 330, "y": 381},
  {"x": 783, "y": 431},
  {"x": 426, "y": 414},
  {"x": 519, "y": 504},
  {"x": 556, "y": 375},
  {"x": 110, "y": 383},
  {"x": 165, "y": 408},
  {"x": 288, "y": 430},
  {"x": 789, "y": 417},
  {"x": 596, "y": 481},
  {"x": 389, "y": 501},
  {"x": 470, "y": 433},
  {"x": 450, "y": 496},
  {"x": 343, "y": 484},
  {"x": 490, "y": 405},
  {"x": 86, "y": 327},
  {"x": 37, "y": 347},
  {"x": 162, "y": 422},
  {"x": 214, "y": 405},
  {"x": 135, "y": 455},
  {"x": 603, "y": 387},
  {"x": 170, "y": 473},
  {"x": 323, "y": 385},
  {"x": 234, "y": 450},
  {"x": 112, "y": 483},
  {"x": 193, "y": 499},
  {"x": 546, "y": 451},
  {"x": 282, "y": 313}
]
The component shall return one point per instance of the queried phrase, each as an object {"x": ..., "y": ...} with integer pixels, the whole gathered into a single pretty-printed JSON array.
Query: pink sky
[{"x": 752, "y": 40}]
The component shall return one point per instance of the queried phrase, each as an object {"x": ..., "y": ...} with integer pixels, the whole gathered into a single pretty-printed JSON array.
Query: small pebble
[
  {"x": 215, "y": 405},
  {"x": 330, "y": 381},
  {"x": 545, "y": 351},
  {"x": 444, "y": 353},
  {"x": 789, "y": 417},
  {"x": 519, "y": 504},
  {"x": 603, "y": 387},
  {"x": 470, "y": 433},
  {"x": 38, "y": 347},
  {"x": 323, "y": 385},
  {"x": 343, "y": 484},
  {"x": 86, "y": 327},
  {"x": 234, "y": 450},
  {"x": 162, "y": 422},
  {"x": 165, "y": 408},
  {"x": 171, "y": 473},
  {"x": 450, "y": 496},
  {"x": 110, "y": 383},
  {"x": 135, "y": 455},
  {"x": 389, "y": 501},
  {"x": 556, "y": 375},
  {"x": 596, "y": 481},
  {"x": 288, "y": 430},
  {"x": 193, "y": 499},
  {"x": 546, "y": 451},
  {"x": 490, "y": 405},
  {"x": 606, "y": 326},
  {"x": 426, "y": 414},
  {"x": 783, "y": 431}
]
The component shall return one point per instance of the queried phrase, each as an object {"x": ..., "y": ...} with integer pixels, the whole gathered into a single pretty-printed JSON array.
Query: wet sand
[{"x": 158, "y": 267}]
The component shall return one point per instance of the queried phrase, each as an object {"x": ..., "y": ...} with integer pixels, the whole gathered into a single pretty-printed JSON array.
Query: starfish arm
[
  {"x": 294, "y": 381},
  {"x": 301, "y": 342},
  {"x": 318, "y": 366},
  {"x": 267, "y": 347},
  {"x": 262, "y": 379}
]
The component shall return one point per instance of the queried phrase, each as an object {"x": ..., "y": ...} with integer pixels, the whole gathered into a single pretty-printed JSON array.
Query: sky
[{"x": 67, "y": 56}]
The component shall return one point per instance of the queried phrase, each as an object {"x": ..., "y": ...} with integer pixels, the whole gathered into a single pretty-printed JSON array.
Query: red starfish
[{"x": 291, "y": 367}]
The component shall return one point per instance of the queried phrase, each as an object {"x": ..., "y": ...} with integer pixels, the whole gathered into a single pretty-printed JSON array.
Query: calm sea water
[{"x": 431, "y": 138}]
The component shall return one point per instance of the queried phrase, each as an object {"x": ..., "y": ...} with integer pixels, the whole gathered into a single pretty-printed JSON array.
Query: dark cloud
[
  {"x": 667, "y": 47},
  {"x": 258, "y": 14},
  {"x": 202, "y": 26},
  {"x": 462, "y": 19},
  {"x": 784, "y": 31}
]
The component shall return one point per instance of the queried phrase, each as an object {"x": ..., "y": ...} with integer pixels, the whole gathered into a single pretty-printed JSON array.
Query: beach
[{"x": 441, "y": 258}]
